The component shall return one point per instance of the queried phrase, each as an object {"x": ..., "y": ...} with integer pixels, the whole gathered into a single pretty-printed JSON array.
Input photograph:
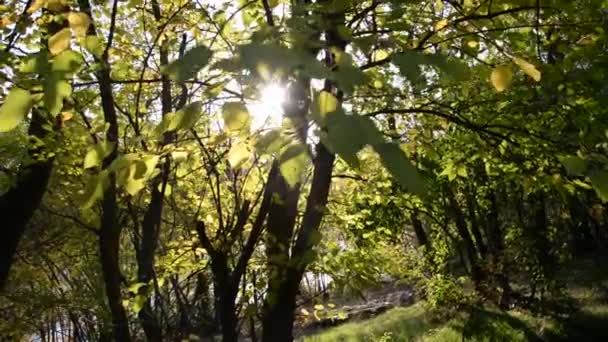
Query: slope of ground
[{"x": 587, "y": 321}]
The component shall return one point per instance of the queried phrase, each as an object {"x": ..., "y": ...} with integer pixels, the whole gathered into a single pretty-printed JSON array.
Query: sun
[{"x": 267, "y": 109}]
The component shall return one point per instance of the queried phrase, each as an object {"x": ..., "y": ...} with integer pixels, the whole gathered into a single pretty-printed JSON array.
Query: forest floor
[{"x": 585, "y": 318}]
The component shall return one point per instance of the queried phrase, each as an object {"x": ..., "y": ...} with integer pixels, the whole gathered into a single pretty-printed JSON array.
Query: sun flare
[{"x": 268, "y": 109}]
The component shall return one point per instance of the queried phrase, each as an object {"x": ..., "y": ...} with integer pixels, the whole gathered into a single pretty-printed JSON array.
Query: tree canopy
[{"x": 177, "y": 170}]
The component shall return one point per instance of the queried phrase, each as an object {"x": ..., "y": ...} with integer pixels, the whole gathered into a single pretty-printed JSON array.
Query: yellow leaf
[
  {"x": 441, "y": 24},
  {"x": 79, "y": 23},
  {"x": 57, "y": 5},
  {"x": 60, "y": 41},
  {"x": 273, "y": 3},
  {"x": 501, "y": 78},
  {"x": 379, "y": 55},
  {"x": 66, "y": 116},
  {"x": 38, "y": 4},
  {"x": 327, "y": 103},
  {"x": 528, "y": 68},
  {"x": 52, "y": 5},
  {"x": 238, "y": 154}
]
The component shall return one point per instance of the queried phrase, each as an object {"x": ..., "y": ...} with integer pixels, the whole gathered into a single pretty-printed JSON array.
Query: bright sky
[{"x": 267, "y": 111}]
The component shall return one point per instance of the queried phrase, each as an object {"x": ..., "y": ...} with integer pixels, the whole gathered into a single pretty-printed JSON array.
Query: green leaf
[
  {"x": 269, "y": 142},
  {"x": 293, "y": 162},
  {"x": 94, "y": 45},
  {"x": 138, "y": 303},
  {"x": 56, "y": 89},
  {"x": 94, "y": 189},
  {"x": 397, "y": 163},
  {"x": 319, "y": 307},
  {"x": 236, "y": 116},
  {"x": 189, "y": 65},
  {"x": 323, "y": 103},
  {"x": 269, "y": 59},
  {"x": 599, "y": 180},
  {"x": 134, "y": 288},
  {"x": 238, "y": 154},
  {"x": 344, "y": 137},
  {"x": 67, "y": 62},
  {"x": 98, "y": 153},
  {"x": 409, "y": 64},
  {"x": 37, "y": 64},
  {"x": 462, "y": 171},
  {"x": 16, "y": 105},
  {"x": 573, "y": 164},
  {"x": 182, "y": 119}
]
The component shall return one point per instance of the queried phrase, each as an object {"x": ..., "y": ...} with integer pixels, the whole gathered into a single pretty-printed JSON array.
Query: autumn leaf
[
  {"x": 79, "y": 23},
  {"x": 501, "y": 78},
  {"x": 60, "y": 41},
  {"x": 441, "y": 24},
  {"x": 528, "y": 68}
]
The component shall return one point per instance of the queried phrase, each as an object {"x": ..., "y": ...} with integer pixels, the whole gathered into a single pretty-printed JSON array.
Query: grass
[
  {"x": 401, "y": 324},
  {"x": 587, "y": 288},
  {"x": 412, "y": 324}
]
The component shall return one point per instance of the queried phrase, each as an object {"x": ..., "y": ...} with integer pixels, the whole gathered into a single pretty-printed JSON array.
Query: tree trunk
[
  {"x": 496, "y": 242},
  {"x": 471, "y": 252},
  {"x": 421, "y": 235},
  {"x": 18, "y": 205},
  {"x": 474, "y": 223}
]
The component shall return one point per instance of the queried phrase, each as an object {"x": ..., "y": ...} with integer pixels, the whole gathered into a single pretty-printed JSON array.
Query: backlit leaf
[
  {"x": 528, "y": 68},
  {"x": 236, "y": 116},
  {"x": 189, "y": 65},
  {"x": 238, "y": 154},
  {"x": 79, "y": 23},
  {"x": 60, "y": 41},
  {"x": 56, "y": 89},
  {"x": 94, "y": 45},
  {"x": 98, "y": 153},
  {"x": 67, "y": 62},
  {"x": 94, "y": 189},
  {"x": 441, "y": 24},
  {"x": 293, "y": 162},
  {"x": 16, "y": 105},
  {"x": 501, "y": 78}
]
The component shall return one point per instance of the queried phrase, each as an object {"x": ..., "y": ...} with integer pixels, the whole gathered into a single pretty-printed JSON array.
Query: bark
[
  {"x": 470, "y": 250},
  {"x": 152, "y": 218},
  {"x": 280, "y": 304},
  {"x": 421, "y": 235},
  {"x": 285, "y": 269},
  {"x": 18, "y": 205},
  {"x": 474, "y": 223},
  {"x": 21, "y": 201},
  {"x": 497, "y": 246},
  {"x": 109, "y": 233},
  {"x": 227, "y": 279},
  {"x": 581, "y": 239},
  {"x": 538, "y": 232}
]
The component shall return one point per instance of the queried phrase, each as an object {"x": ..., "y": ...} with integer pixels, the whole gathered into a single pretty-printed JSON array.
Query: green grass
[
  {"x": 402, "y": 324},
  {"x": 412, "y": 324},
  {"x": 587, "y": 289}
]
